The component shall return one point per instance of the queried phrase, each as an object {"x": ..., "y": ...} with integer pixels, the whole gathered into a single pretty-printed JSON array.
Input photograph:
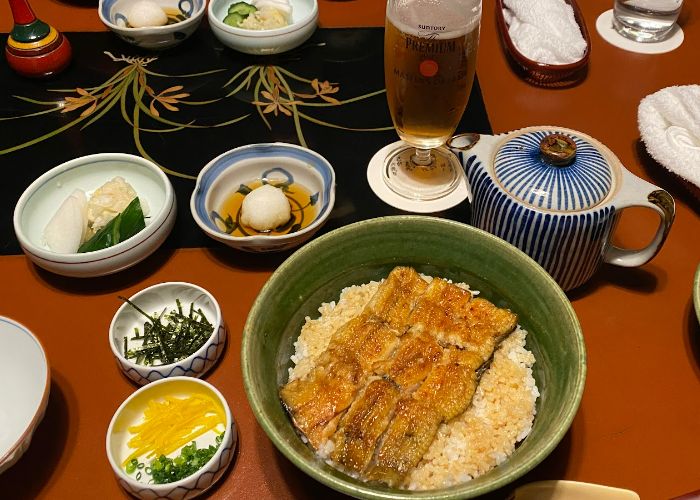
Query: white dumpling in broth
[
  {"x": 146, "y": 14},
  {"x": 265, "y": 208},
  {"x": 67, "y": 228}
]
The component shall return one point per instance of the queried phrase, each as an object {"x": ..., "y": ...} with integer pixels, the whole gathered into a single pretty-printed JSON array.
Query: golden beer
[{"x": 428, "y": 71}]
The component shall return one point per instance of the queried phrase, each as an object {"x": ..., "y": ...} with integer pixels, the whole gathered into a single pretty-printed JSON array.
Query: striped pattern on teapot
[
  {"x": 578, "y": 186},
  {"x": 569, "y": 246}
]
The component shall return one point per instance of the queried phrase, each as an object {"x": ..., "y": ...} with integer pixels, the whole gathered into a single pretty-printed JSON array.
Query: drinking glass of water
[{"x": 646, "y": 20}]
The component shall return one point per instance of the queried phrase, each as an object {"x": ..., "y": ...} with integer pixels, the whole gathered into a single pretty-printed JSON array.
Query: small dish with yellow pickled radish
[{"x": 173, "y": 438}]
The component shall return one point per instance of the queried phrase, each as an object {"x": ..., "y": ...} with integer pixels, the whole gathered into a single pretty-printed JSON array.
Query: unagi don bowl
[{"x": 367, "y": 251}]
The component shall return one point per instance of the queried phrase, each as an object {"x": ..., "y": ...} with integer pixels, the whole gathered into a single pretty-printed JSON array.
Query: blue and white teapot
[{"x": 557, "y": 194}]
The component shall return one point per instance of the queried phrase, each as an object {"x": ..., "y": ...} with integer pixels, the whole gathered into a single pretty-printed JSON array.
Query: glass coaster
[
  {"x": 604, "y": 25},
  {"x": 375, "y": 178}
]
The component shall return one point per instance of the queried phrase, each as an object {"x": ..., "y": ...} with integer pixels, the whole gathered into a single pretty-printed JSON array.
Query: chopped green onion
[
  {"x": 190, "y": 460},
  {"x": 131, "y": 466}
]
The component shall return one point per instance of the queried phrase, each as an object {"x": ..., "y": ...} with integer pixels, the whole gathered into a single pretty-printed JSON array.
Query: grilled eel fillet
[
  {"x": 395, "y": 398},
  {"x": 316, "y": 401}
]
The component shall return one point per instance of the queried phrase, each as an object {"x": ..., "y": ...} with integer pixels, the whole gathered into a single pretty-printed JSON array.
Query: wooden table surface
[{"x": 638, "y": 425}]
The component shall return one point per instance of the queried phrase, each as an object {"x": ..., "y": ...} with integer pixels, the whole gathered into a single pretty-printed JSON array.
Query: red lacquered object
[{"x": 34, "y": 49}]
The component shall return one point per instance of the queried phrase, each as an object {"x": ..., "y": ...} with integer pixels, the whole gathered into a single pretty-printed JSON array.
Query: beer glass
[{"x": 429, "y": 61}]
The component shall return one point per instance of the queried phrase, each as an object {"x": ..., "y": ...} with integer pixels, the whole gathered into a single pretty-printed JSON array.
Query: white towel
[
  {"x": 544, "y": 30},
  {"x": 669, "y": 122}
]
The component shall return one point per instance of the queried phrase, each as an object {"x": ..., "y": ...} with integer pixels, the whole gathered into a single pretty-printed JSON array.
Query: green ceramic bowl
[{"x": 368, "y": 250}]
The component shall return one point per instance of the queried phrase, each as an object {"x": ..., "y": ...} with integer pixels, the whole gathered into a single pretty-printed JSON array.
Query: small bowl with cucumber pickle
[
  {"x": 173, "y": 438},
  {"x": 167, "y": 330},
  {"x": 263, "y": 27},
  {"x": 95, "y": 215}
]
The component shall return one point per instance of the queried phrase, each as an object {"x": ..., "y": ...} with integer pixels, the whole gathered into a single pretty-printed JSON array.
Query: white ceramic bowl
[
  {"x": 24, "y": 389},
  {"x": 42, "y": 198},
  {"x": 113, "y": 15},
  {"x": 261, "y": 42},
  {"x": 155, "y": 299},
  {"x": 131, "y": 412},
  {"x": 278, "y": 161}
]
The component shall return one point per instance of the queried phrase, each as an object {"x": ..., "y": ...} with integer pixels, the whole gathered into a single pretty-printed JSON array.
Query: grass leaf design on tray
[
  {"x": 130, "y": 90},
  {"x": 140, "y": 97},
  {"x": 279, "y": 91}
]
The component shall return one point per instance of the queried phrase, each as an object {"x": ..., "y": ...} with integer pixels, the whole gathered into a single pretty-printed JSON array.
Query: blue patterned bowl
[
  {"x": 131, "y": 412},
  {"x": 153, "y": 300},
  {"x": 293, "y": 168},
  {"x": 184, "y": 17}
]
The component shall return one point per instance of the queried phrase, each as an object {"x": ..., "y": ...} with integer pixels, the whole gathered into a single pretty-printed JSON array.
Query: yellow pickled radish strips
[{"x": 171, "y": 423}]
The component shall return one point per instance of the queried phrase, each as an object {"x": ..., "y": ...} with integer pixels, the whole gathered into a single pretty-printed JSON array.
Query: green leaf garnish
[{"x": 121, "y": 228}]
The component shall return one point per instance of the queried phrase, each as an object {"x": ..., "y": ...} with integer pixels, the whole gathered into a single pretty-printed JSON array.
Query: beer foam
[{"x": 442, "y": 21}]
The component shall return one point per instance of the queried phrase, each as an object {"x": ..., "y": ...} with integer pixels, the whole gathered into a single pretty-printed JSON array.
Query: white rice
[{"x": 500, "y": 416}]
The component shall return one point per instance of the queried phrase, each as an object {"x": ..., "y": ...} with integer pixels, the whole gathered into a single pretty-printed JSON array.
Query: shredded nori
[{"x": 168, "y": 337}]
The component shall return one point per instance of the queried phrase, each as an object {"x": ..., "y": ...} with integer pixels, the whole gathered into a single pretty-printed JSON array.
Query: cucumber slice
[
  {"x": 242, "y": 8},
  {"x": 233, "y": 19}
]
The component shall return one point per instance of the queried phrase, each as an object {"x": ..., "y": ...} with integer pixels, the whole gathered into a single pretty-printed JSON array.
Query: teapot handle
[{"x": 653, "y": 197}]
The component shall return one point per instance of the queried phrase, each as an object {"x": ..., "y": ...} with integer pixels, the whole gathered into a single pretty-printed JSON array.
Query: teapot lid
[{"x": 553, "y": 170}]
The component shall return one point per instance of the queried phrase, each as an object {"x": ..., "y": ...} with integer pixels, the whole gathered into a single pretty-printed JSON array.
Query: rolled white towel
[
  {"x": 544, "y": 30},
  {"x": 669, "y": 123}
]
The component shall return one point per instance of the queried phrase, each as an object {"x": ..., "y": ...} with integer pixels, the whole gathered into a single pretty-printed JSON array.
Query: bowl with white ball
[
  {"x": 152, "y": 24},
  {"x": 50, "y": 216},
  {"x": 264, "y": 197},
  {"x": 264, "y": 35}
]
